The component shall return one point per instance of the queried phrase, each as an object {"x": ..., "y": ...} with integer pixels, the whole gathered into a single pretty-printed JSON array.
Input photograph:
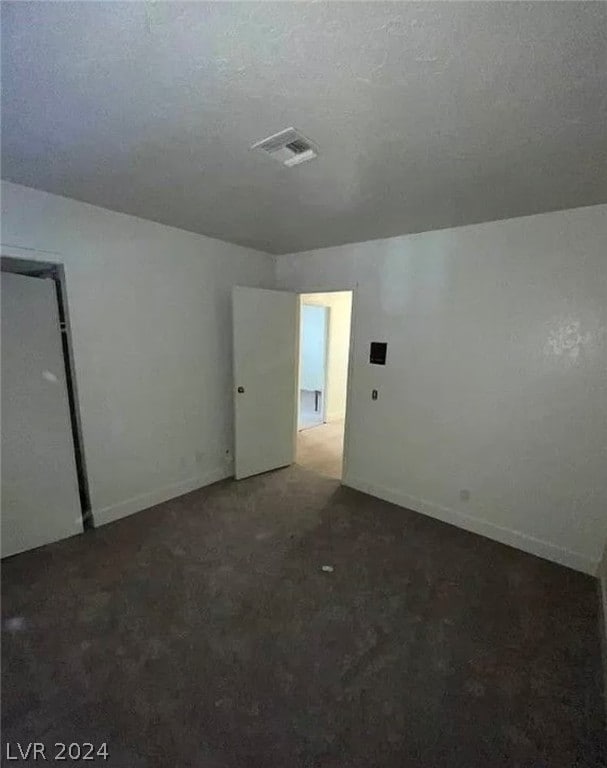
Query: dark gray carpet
[{"x": 204, "y": 632}]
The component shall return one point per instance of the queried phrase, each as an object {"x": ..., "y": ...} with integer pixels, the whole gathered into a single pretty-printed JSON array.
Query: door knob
[{"x": 240, "y": 390}]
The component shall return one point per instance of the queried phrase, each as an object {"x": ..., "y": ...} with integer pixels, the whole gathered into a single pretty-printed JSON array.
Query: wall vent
[{"x": 289, "y": 147}]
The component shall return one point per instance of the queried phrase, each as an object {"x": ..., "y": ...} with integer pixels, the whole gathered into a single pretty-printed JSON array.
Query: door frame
[
  {"x": 326, "y": 356},
  {"x": 353, "y": 289},
  {"x": 55, "y": 271}
]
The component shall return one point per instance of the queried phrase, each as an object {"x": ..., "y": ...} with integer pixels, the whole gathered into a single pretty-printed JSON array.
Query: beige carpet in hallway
[{"x": 321, "y": 448}]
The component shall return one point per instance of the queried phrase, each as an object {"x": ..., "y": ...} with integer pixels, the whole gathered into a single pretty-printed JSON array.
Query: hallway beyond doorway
[
  {"x": 321, "y": 448},
  {"x": 323, "y": 379}
]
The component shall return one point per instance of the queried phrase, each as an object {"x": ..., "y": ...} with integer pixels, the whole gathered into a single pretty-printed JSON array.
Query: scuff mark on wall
[{"x": 569, "y": 338}]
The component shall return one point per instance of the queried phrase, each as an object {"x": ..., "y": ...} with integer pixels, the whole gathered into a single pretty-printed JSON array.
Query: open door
[
  {"x": 265, "y": 327},
  {"x": 40, "y": 499}
]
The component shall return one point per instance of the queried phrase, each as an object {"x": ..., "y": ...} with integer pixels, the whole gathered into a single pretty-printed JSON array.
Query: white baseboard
[
  {"x": 533, "y": 546},
  {"x": 146, "y": 500}
]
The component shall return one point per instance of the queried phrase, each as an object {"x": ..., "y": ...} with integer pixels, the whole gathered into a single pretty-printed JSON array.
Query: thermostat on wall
[{"x": 377, "y": 355}]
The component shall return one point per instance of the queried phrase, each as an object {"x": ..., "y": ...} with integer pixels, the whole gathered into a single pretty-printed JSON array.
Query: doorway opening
[{"x": 324, "y": 350}]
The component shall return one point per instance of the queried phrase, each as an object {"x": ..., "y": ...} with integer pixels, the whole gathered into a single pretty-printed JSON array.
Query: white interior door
[
  {"x": 40, "y": 501},
  {"x": 265, "y": 379}
]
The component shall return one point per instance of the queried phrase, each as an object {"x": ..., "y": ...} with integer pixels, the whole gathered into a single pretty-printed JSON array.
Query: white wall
[
  {"x": 496, "y": 376},
  {"x": 340, "y": 306},
  {"x": 313, "y": 348},
  {"x": 151, "y": 329}
]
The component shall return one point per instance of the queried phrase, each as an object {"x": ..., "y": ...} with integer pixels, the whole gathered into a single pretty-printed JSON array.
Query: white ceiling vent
[{"x": 289, "y": 147}]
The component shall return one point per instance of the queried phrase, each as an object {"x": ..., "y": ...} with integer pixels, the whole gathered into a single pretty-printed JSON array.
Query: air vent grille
[
  {"x": 298, "y": 146},
  {"x": 289, "y": 147}
]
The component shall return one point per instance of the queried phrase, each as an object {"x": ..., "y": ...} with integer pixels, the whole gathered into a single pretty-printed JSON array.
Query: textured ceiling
[{"x": 427, "y": 115}]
